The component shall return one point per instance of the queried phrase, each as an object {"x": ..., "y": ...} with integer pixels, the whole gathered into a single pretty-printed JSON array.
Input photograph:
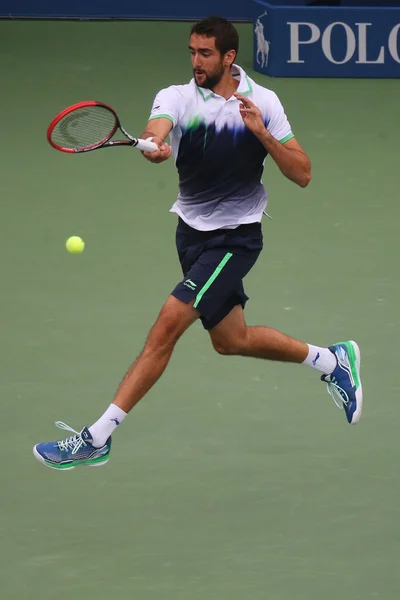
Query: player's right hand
[{"x": 163, "y": 153}]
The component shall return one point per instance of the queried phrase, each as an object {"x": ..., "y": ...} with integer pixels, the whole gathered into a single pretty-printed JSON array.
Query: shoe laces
[
  {"x": 338, "y": 394},
  {"x": 71, "y": 443}
]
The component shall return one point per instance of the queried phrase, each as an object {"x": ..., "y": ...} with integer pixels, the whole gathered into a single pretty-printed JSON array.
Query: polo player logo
[{"x": 262, "y": 44}]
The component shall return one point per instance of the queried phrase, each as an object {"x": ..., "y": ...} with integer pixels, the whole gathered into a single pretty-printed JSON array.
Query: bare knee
[
  {"x": 229, "y": 346},
  {"x": 163, "y": 335},
  {"x": 172, "y": 322}
]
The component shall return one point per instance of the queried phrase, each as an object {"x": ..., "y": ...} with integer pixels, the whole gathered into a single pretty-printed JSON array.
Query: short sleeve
[
  {"x": 278, "y": 124},
  {"x": 166, "y": 105}
]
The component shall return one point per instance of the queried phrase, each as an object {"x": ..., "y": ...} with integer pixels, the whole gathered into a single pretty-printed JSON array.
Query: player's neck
[{"x": 227, "y": 85}]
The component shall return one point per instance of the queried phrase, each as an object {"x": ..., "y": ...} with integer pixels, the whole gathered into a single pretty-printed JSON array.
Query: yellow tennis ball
[{"x": 75, "y": 244}]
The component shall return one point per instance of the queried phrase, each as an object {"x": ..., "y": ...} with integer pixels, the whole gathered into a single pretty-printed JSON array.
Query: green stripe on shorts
[{"x": 212, "y": 278}]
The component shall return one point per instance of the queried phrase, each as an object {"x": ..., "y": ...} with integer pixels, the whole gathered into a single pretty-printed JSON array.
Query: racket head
[{"x": 82, "y": 127}]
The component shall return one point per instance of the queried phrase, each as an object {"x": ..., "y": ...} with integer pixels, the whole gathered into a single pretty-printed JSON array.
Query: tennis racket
[{"x": 90, "y": 125}]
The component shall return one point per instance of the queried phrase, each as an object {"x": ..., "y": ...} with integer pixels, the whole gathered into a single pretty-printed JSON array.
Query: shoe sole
[
  {"x": 359, "y": 393},
  {"x": 40, "y": 458}
]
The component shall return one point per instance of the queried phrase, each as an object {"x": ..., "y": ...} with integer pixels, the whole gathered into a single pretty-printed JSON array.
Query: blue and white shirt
[{"x": 219, "y": 160}]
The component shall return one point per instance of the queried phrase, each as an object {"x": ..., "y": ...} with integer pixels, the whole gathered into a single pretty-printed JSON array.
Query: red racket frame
[{"x": 70, "y": 109}]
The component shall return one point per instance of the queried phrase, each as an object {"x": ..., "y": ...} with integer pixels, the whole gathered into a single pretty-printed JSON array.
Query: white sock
[
  {"x": 103, "y": 428},
  {"x": 321, "y": 359}
]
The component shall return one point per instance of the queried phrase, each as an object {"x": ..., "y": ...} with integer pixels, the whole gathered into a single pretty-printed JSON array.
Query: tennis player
[{"x": 221, "y": 126}]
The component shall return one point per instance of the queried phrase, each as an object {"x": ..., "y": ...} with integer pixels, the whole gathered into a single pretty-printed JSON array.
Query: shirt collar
[{"x": 244, "y": 86}]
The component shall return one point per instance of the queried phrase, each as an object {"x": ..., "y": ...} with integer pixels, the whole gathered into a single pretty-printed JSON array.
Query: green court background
[{"x": 235, "y": 479}]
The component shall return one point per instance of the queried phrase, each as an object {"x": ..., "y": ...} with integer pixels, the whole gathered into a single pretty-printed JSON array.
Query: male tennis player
[{"x": 221, "y": 126}]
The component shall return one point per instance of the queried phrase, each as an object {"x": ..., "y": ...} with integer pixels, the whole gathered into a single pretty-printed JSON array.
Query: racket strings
[{"x": 84, "y": 127}]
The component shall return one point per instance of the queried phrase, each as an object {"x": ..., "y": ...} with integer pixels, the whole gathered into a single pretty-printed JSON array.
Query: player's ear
[{"x": 229, "y": 58}]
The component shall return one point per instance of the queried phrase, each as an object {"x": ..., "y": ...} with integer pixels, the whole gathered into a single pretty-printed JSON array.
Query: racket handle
[{"x": 146, "y": 146}]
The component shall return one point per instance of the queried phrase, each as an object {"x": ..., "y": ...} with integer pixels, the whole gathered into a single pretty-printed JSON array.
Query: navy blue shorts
[{"x": 214, "y": 264}]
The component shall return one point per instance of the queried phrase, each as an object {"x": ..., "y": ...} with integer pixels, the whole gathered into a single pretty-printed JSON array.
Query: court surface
[{"x": 235, "y": 479}]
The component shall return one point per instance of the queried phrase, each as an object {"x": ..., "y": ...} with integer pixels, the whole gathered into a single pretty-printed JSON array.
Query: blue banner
[
  {"x": 300, "y": 40},
  {"x": 235, "y": 10},
  {"x": 327, "y": 41}
]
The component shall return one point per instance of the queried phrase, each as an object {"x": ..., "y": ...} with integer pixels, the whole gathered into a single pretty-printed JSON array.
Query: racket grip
[{"x": 146, "y": 145}]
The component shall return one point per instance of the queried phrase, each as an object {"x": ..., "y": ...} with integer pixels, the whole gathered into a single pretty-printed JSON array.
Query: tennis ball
[{"x": 75, "y": 245}]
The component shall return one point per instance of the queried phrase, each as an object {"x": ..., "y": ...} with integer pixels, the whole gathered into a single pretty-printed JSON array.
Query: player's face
[{"x": 207, "y": 62}]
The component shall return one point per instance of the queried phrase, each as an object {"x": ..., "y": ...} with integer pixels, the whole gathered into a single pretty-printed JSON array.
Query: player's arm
[
  {"x": 289, "y": 156},
  {"x": 158, "y": 130}
]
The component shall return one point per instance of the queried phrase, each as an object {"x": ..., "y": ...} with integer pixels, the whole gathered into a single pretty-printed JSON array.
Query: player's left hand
[{"x": 251, "y": 115}]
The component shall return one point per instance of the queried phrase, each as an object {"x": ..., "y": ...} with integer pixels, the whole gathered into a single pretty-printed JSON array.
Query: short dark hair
[{"x": 226, "y": 36}]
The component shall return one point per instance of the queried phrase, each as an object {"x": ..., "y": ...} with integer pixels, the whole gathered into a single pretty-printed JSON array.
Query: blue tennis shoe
[
  {"x": 344, "y": 384},
  {"x": 73, "y": 451}
]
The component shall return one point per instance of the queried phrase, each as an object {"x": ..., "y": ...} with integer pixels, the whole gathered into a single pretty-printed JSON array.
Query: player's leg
[
  {"x": 175, "y": 317},
  {"x": 339, "y": 363},
  {"x": 232, "y": 336},
  {"x": 221, "y": 302},
  {"x": 92, "y": 445}
]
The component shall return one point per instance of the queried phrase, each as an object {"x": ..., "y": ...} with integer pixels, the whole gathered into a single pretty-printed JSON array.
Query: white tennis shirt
[{"x": 219, "y": 160}]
